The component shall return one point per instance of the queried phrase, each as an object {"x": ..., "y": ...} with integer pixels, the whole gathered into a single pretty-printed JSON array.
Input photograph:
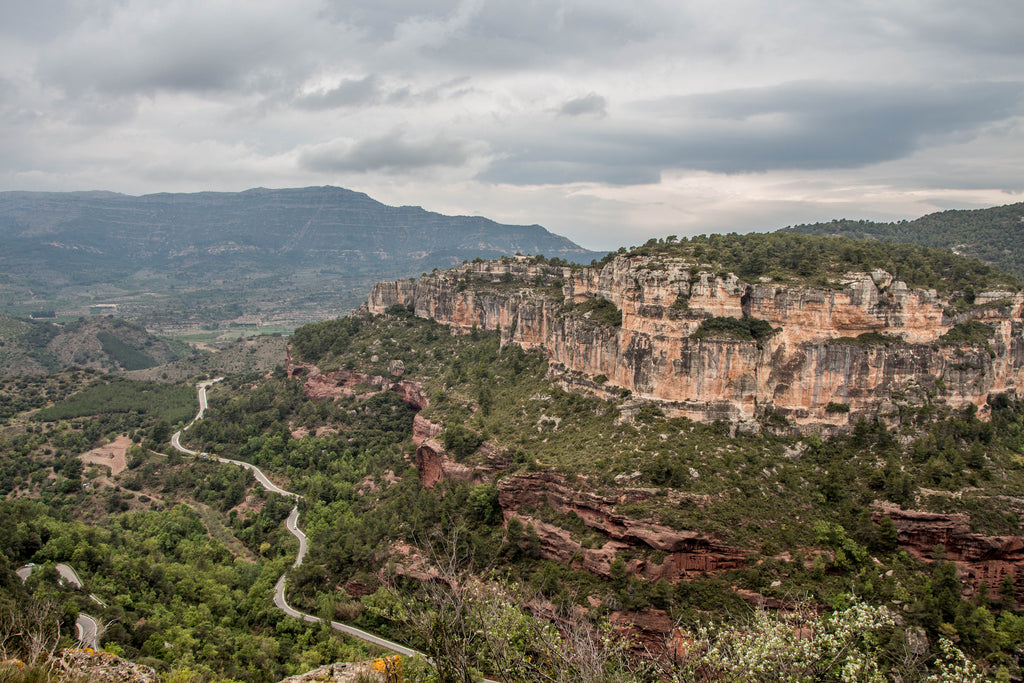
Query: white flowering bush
[
  {"x": 801, "y": 646},
  {"x": 952, "y": 666}
]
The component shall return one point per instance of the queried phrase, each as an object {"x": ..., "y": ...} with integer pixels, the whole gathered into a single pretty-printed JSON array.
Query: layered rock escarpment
[
  {"x": 979, "y": 559},
  {"x": 319, "y": 385},
  {"x": 684, "y": 552},
  {"x": 813, "y": 370},
  {"x": 556, "y": 508}
]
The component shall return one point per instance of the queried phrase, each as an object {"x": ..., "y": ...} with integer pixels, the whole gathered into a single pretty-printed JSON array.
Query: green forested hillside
[
  {"x": 796, "y": 511},
  {"x": 994, "y": 236},
  {"x": 823, "y": 260},
  {"x": 182, "y": 554},
  {"x": 243, "y": 355},
  {"x": 172, "y": 403},
  {"x": 177, "y": 598},
  {"x": 799, "y": 509},
  {"x": 98, "y": 342}
]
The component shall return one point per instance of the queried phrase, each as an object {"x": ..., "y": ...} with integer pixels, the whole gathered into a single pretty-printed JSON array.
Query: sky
[{"x": 606, "y": 121}]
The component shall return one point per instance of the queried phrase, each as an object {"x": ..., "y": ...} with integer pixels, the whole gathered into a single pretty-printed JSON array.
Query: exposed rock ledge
[
  {"x": 95, "y": 665},
  {"x": 320, "y": 385},
  {"x": 808, "y": 364},
  {"x": 978, "y": 558},
  {"x": 339, "y": 672},
  {"x": 686, "y": 552},
  {"x": 435, "y": 466}
]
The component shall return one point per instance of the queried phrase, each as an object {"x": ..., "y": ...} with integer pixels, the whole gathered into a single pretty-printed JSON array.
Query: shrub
[
  {"x": 869, "y": 339},
  {"x": 601, "y": 311},
  {"x": 968, "y": 333},
  {"x": 739, "y": 329},
  {"x": 461, "y": 442}
]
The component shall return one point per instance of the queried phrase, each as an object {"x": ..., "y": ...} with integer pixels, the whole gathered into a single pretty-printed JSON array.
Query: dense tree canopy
[
  {"x": 984, "y": 234},
  {"x": 785, "y": 256}
]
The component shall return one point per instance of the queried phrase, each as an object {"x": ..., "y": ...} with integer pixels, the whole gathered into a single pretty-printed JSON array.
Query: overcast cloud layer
[{"x": 605, "y": 121}]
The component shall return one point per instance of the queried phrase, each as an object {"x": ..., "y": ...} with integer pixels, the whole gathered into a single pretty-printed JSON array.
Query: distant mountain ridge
[
  {"x": 994, "y": 236},
  {"x": 323, "y": 221},
  {"x": 289, "y": 242}
]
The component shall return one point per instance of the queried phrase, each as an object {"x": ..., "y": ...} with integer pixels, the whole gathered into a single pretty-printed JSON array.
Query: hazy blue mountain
[{"x": 309, "y": 248}]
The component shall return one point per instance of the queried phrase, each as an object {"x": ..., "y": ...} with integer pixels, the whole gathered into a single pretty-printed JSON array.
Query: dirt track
[{"x": 111, "y": 456}]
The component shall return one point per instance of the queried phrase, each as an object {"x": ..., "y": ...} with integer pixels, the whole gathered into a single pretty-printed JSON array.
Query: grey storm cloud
[
  {"x": 348, "y": 93},
  {"x": 592, "y": 104},
  {"x": 506, "y": 34},
  {"x": 40, "y": 19},
  {"x": 389, "y": 153},
  {"x": 369, "y": 91},
  {"x": 460, "y": 98},
  {"x": 208, "y": 68},
  {"x": 144, "y": 50},
  {"x": 983, "y": 26},
  {"x": 792, "y": 126},
  {"x": 380, "y": 18}
]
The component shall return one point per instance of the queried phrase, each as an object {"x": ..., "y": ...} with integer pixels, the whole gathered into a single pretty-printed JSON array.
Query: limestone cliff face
[{"x": 810, "y": 362}]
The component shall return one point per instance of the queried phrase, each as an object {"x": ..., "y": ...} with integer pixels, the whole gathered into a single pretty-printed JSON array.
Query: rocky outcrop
[
  {"x": 339, "y": 672},
  {"x": 978, "y": 558},
  {"x": 435, "y": 466},
  {"x": 650, "y": 631},
  {"x": 812, "y": 370},
  {"x": 412, "y": 393},
  {"x": 423, "y": 429},
  {"x": 95, "y": 665},
  {"x": 319, "y": 385},
  {"x": 683, "y": 552},
  {"x": 411, "y": 562},
  {"x": 431, "y": 461}
]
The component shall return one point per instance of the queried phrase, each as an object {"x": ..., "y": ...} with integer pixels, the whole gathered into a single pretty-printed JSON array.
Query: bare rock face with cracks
[{"x": 814, "y": 366}]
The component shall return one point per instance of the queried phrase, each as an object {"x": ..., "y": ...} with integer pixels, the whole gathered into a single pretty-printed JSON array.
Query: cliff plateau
[{"x": 865, "y": 346}]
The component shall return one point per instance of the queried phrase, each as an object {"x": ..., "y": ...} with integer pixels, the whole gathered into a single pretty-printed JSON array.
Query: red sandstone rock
[
  {"x": 435, "y": 466},
  {"x": 412, "y": 393},
  {"x": 687, "y": 552},
  {"x": 649, "y": 629},
  {"x": 321, "y": 386},
  {"x": 978, "y": 558},
  {"x": 423, "y": 429}
]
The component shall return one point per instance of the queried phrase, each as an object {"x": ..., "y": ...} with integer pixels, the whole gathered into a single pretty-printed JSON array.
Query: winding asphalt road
[
  {"x": 88, "y": 631},
  {"x": 292, "y": 524},
  {"x": 87, "y": 627}
]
